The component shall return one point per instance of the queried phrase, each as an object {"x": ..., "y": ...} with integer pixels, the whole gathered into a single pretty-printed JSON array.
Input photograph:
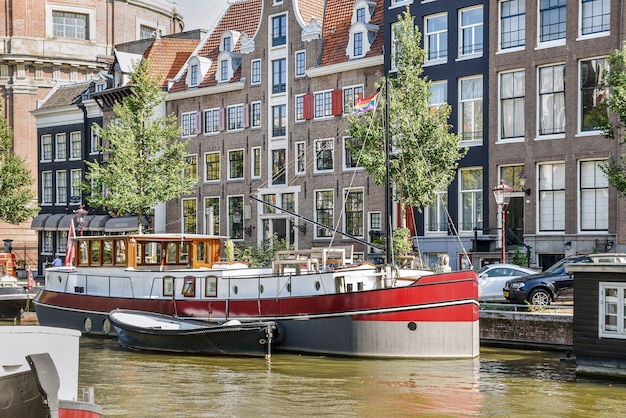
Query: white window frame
[
  {"x": 550, "y": 42},
  {"x": 513, "y": 97},
  {"x": 594, "y": 197},
  {"x": 194, "y": 75},
  {"x": 189, "y": 123},
  {"x": 551, "y": 206},
  {"x": 437, "y": 209},
  {"x": 95, "y": 143},
  {"x": 521, "y": 24},
  {"x": 76, "y": 179},
  {"x": 256, "y": 166},
  {"x": 472, "y": 28},
  {"x": 439, "y": 37},
  {"x": 76, "y": 145},
  {"x": 436, "y": 95},
  {"x": 300, "y": 58},
  {"x": 349, "y": 95},
  {"x": 606, "y": 17},
  {"x": 60, "y": 146},
  {"x": 326, "y": 108},
  {"x": 183, "y": 218},
  {"x": 321, "y": 232},
  {"x": 476, "y": 104},
  {"x": 47, "y": 190},
  {"x": 236, "y": 119},
  {"x": 299, "y": 107},
  {"x": 553, "y": 93},
  {"x": 60, "y": 189},
  {"x": 242, "y": 160},
  {"x": 46, "y": 147},
  {"x": 213, "y": 116},
  {"x": 91, "y": 21},
  {"x": 477, "y": 197},
  {"x": 361, "y": 210},
  {"x": 324, "y": 145},
  {"x": 255, "y": 72},
  {"x": 219, "y": 167},
  {"x": 300, "y": 157},
  {"x": 600, "y": 91},
  {"x": 255, "y": 114},
  {"x": 614, "y": 307},
  {"x": 345, "y": 165}
]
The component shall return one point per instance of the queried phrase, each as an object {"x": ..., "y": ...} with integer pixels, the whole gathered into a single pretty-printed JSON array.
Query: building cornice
[
  {"x": 346, "y": 66},
  {"x": 205, "y": 91}
]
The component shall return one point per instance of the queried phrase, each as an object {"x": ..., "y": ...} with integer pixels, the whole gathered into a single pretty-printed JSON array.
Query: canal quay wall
[{"x": 527, "y": 330}]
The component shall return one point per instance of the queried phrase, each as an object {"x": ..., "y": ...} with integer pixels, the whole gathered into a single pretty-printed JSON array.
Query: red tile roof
[
  {"x": 311, "y": 8},
  {"x": 168, "y": 55},
  {"x": 337, "y": 21},
  {"x": 243, "y": 16}
]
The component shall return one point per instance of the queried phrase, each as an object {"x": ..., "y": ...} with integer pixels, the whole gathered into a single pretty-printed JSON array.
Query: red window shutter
[
  {"x": 308, "y": 106},
  {"x": 246, "y": 115},
  {"x": 337, "y": 98},
  {"x": 222, "y": 124}
]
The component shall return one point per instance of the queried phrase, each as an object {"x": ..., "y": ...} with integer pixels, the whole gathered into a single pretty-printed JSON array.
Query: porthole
[
  {"x": 317, "y": 285},
  {"x": 87, "y": 325},
  {"x": 289, "y": 287},
  {"x": 412, "y": 326},
  {"x": 106, "y": 327},
  {"x": 261, "y": 288},
  {"x": 235, "y": 290},
  {"x": 59, "y": 279}
]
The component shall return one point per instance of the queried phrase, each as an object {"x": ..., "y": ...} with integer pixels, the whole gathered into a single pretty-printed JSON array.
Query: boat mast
[{"x": 387, "y": 156}]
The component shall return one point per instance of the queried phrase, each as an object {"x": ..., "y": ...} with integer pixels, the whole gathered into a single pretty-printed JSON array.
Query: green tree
[
  {"x": 16, "y": 195},
  {"x": 615, "y": 169},
  {"x": 145, "y": 160},
  {"x": 424, "y": 152}
]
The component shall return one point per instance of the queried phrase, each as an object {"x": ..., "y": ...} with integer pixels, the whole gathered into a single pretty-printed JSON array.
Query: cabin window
[
  {"x": 95, "y": 252},
  {"x": 152, "y": 253},
  {"x": 210, "y": 286},
  {"x": 189, "y": 287},
  {"x": 107, "y": 252},
  {"x": 612, "y": 310},
  {"x": 202, "y": 252},
  {"x": 83, "y": 253},
  {"x": 120, "y": 251},
  {"x": 168, "y": 286},
  {"x": 172, "y": 251},
  {"x": 184, "y": 252}
]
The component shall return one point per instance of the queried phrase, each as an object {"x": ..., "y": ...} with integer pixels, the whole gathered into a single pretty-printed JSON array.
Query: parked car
[
  {"x": 492, "y": 277},
  {"x": 553, "y": 284}
]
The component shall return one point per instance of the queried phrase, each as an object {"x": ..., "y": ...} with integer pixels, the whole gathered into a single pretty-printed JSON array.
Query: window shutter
[
  {"x": 246, "y": 115},
  {"x": 337, "y": 99},
  {"x": 308, "y": 106},
  {"x": 222, "y": 119}
]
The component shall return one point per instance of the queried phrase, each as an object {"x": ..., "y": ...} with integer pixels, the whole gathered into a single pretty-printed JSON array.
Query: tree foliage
[
  {"x": 615, "y": 169},
  {"x": 16, "y": 195},
  {"x": 424, "y": 152},
  {"x": 145, "y": 160}
]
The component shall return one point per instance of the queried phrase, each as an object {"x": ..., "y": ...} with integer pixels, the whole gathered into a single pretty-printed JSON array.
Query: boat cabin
[{"x": 148, "y": 252}]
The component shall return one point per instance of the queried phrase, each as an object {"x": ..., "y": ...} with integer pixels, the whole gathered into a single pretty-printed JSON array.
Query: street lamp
[
  {"x": 81, "y": 216},
  {"x": 502, "y": 196}
]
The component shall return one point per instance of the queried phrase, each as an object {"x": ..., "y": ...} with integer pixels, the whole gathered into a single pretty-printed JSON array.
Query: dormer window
[
  {"x": 226, "y": 43},
  {"x": 228, "y": 61},
  {"x": 362, "y": 32},
  {"x": 197, "y": 69},
  {"x": 224, "y": 70}
]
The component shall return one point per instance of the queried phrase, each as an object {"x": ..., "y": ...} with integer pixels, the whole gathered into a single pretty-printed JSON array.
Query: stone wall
[{"x": 526, "y": 329}]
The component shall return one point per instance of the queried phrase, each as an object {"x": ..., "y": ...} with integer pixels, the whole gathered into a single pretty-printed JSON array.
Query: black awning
[
  {"x": 124, "y": 224},
  {"x": 64, "y": 223},
  {"x": 39, "y": 222},
  {"x": 97, "y": 222},
  {"x": 52, "y": 223}
]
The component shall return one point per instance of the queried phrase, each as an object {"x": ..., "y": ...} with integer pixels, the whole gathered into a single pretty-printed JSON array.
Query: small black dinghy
[{"x": 155, "y": 332}]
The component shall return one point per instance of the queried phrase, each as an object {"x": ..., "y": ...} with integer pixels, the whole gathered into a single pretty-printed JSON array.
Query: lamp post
[
  {"x": 81, "y": 215},
  {"x": 502, "y": 196}
]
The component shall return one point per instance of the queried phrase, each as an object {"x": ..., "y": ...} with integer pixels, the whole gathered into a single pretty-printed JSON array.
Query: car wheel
[{"x": 539, "y": 297}]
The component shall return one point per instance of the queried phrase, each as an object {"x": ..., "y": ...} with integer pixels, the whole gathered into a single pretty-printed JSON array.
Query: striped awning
[{"x": 39, "y": 222}]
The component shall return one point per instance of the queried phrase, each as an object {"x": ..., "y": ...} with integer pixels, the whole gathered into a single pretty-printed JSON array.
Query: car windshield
[{"x": 560, "y": 265}]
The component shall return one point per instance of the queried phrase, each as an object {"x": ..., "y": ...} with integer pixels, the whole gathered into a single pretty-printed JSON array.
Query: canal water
[{"x": 500, "y": 383}]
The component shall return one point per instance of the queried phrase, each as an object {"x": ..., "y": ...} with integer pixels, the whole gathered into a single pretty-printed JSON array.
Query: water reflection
[{"x": 499, "y": 383}]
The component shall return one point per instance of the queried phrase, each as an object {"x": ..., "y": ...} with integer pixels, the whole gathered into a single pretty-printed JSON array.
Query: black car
[{"x": 545, "y": 287}]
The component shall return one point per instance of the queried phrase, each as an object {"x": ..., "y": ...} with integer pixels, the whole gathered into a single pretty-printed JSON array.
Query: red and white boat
[
  {"x": 351, "y": 309},
  {"x": 39, "y": 374}
]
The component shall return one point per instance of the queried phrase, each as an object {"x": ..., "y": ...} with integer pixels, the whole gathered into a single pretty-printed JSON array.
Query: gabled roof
[
  {"x": 168, "y": 55},
  {"x": 65, "y": 95},
  {"x": 337, "y": 22},
  {"x": 242, "y": 16},
  {"x": 126, "y": 60},
  {"x": 310, "y": 9}
]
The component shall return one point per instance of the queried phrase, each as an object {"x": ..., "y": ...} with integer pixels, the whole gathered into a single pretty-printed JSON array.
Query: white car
[{"x": 492, "y": 277}]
